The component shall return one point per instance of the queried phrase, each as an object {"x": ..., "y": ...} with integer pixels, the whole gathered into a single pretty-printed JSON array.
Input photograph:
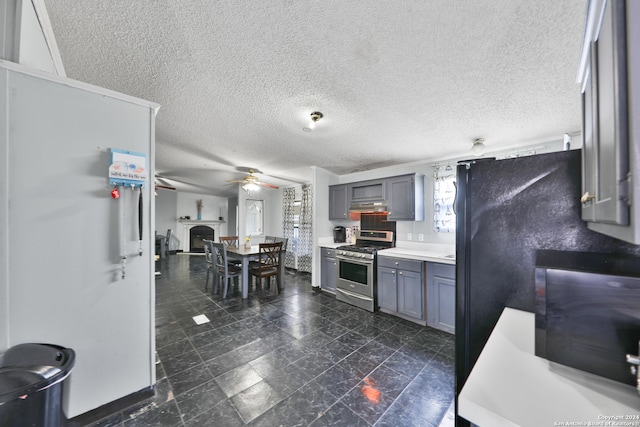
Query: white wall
[
  {"x": 273, "y": 212},
  {"x": 213, "y": 207},
  {"x": 62, "y": 232},
  {"x": 231, "y": 218},
  {"x": 322, "y": 227},
  {"x": 166, "y": 208}
]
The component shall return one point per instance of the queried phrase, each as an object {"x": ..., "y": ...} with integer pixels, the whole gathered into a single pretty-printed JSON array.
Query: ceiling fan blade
[
  {"x": 264, "y": 184},
  {"x": 235, "y": 180},
  {"x": 166, "y": 187}
]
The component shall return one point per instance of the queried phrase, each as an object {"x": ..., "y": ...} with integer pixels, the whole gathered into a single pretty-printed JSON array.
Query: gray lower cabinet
[
  {"x": 401, "y": 288},
  {"x": 441, "y": 296},
  {"x": 328, "y": 269}
]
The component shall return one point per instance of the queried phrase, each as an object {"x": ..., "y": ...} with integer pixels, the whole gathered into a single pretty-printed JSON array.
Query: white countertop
[
  {"x": 432, "y": 252},
  {"x": 510, "y": 386},
  {"x": 328, "y": 243}
]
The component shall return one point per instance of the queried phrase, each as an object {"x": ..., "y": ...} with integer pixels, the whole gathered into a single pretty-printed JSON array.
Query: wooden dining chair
[
  {"x": 270, "y": 239},
  {"x": 269, "y": 258},
  {"x": 284, "y": 241},
  {"x": 229, "y": 241},
  {"x": 208, "y": 255},
  {"x": 223, "y": 269}
]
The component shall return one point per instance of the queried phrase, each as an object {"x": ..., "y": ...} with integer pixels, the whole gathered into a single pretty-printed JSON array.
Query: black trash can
[{"x": 31, "y": 385}]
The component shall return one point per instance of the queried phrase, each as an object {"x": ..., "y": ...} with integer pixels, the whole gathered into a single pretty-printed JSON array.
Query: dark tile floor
[{"x": 296, "y": 359}]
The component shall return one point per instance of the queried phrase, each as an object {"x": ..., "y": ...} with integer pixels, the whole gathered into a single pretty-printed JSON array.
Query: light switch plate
[
  {"x": 409, "y": 236},
  {"x": 421, "y": 237}
]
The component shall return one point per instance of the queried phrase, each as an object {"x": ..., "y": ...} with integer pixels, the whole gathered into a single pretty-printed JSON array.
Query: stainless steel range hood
[{"x": 367, "y": 207}]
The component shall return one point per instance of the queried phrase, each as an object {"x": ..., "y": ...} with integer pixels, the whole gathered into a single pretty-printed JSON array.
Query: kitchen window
[{"x": 444, "y": 194}]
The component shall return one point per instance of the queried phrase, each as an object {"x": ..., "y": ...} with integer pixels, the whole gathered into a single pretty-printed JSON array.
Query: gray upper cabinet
[
  {"x": 338, "y": 203},
  {"x": 405, "y": 196},
  {"x": 366, "y": 191},
  {"x": 604, "y": 101},
  {"x": 610, "y": 65}
]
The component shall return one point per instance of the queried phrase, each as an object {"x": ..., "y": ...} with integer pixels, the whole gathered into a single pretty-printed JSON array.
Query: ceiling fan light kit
[
  {"x": 252, "y": 183},
  {"x": 250, "y": 186},
  {"x": 315, "y": 116}
]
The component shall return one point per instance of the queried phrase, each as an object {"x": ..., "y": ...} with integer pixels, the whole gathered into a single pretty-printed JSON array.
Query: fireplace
[
  {"x": 188, "y": 224},
  {"x": 196, "y": 236}
]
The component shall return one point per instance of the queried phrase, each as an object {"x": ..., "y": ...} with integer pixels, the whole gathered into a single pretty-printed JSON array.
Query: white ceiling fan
[{"x": 251, "y": 182}]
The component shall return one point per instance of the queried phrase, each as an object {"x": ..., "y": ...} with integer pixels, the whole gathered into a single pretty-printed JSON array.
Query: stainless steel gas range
[{"x": 357, "y": 266}]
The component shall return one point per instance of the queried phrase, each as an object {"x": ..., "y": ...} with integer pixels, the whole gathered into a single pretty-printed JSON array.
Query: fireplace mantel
[{"x": 188, "y": 224}]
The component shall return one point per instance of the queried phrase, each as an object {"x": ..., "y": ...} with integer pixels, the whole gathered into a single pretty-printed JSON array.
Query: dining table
[{"x": 245, "y": 255}]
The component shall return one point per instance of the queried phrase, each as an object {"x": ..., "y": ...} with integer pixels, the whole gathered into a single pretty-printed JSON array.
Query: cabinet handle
[
  {"x": 400, "y": 273},
  {"x": 586, "y": 197},
  {"x": 393, "y": 272},
  {"x": 397, "y": 263}
]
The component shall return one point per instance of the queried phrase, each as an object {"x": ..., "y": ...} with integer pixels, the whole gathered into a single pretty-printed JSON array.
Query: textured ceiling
[{"x": 397, "y": 81}]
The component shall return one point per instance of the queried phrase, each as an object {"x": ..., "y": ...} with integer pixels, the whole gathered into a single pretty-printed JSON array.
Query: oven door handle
[
  {"x": 353, "y": 294},
  {"x": 365, "y": 262}
]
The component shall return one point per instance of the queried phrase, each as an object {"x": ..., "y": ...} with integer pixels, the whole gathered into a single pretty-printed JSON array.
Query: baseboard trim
[{"x": 114, "y": 407}]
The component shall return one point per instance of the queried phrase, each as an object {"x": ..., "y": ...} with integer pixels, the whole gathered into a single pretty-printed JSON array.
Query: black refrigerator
[{"x": 507, "y": 210}]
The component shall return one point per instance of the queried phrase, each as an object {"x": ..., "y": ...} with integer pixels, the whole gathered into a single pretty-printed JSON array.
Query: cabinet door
[
  {"x": 589, "y": 113},
  {"x": 606, "y": 159},
  {"x": 410, "y": 294},
  {"x": 366, "y": 191},
  {"x": 338, "y": 203},
  {"x": 330, "y": 271},
  {"x": 400, "y": 196},
  {"x": 444, "y": 316},
  {"x": 387, "y": 289},
  {"x": 328, "y": 267}
]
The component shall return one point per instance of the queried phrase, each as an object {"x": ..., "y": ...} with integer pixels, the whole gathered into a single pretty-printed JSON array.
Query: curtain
[
  {"x": 444, "y": 194},
  {"x": 305, "y": 243},
  {"x": 288, "y": 225}
]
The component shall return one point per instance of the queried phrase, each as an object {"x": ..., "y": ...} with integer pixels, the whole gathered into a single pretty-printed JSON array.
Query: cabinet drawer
[
  {"x": 400, "y": 263},
  {"x": 444, "y": 270},
  {"x": 328, "y": 252}
]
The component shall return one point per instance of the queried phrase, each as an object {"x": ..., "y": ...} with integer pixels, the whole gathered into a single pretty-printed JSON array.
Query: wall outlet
[
  {"x": 409, "y": 236},
  {"x": 421, "y": 237}
]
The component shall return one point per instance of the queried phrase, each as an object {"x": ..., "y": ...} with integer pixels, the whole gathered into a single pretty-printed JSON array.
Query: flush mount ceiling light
[
  {"x": 315, "y": 116},
  {"x": 478, "y": 147}
]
